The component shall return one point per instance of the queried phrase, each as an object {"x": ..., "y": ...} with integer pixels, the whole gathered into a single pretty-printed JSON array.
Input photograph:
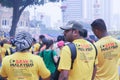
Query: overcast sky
[
  {"x": 51, "y": 9},
  {"x": 54, "y": 11}
]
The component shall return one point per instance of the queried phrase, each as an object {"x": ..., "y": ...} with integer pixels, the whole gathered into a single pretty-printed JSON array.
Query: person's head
[
  {"x": 60, "y": 37},
  {"x": 44, "y": 41},
  {"x": 34, "y": 41},
  {"x": 85, "y": 33},
  {"x": 23, "y": 41},
  {"x": 49, "y": 44},
  {"x": 72, "y": 30},
  {"x": 41, "y": 37},
  {"x": 99, "y": 27}
]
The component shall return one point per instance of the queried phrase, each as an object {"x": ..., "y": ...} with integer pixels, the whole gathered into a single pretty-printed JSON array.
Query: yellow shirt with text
[
  {"x": 23, "y": 66},
  {"x": 108, "y": 58},
  {"x": 83, "y": 63}
]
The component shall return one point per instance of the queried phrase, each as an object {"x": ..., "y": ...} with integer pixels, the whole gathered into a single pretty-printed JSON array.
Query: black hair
[
  {"x": 34, "y": 40},
  {"x": 49, "y": 43},
  {"x": 44, "y": 41},
  {"x": 85, "y": 33},
  {"x": 41, "y": 36},
  {"x": 60, "y": 38},
  {"x": 99, "y": 24},
  {"x": 81, "y": 33}
]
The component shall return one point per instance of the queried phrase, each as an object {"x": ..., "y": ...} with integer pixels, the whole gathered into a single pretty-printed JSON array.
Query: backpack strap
[
  {"x": 95, "y": 50},
  {"x": 73, "y": 52},
  {"x": 96, "y": 53},
  {"x": 73, "y": 56}
]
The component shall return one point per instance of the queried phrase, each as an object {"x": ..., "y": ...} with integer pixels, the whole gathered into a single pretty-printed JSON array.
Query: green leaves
[
  {"x": 7, "y": 3},
  {"x": 53, "y": 0},
  {"x": 11, "y": 3}
]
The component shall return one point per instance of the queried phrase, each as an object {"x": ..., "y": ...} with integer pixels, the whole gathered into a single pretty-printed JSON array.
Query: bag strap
[
  {"x": 95, "y": 50},
  {"x": 96, "y": 53},
  {"x": 73, "y": 52}
]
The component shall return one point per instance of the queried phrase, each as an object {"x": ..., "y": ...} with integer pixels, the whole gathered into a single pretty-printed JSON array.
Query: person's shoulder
[
  {"x": 3, "y": 49},
  {"x": 65, "y": 48},
  {"x": 7, "y": 57},
  {"x": 35, "y": 56},
  {"x": 37, "y": 44}
]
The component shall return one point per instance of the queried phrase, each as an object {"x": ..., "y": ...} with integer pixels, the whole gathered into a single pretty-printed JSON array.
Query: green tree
[{"x": 18, "y": 7}]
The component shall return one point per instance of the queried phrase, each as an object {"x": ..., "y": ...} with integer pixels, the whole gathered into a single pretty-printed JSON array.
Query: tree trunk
[
  {"x": 17, "y": 11},
  {"x": 14, "y": 20}
]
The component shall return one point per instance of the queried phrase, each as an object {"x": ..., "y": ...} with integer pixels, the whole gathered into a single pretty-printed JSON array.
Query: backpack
[{"x": 73, "y": 56}]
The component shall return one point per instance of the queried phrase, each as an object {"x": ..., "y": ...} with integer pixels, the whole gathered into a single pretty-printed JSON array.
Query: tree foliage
[{"x": 18, "y": 7}]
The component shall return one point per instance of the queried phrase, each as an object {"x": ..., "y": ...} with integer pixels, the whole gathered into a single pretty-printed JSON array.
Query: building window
[
  {"x": 26, "y": 23},
  {"x": 21, "y": 23},
  {"x": 4, "y": 22}
]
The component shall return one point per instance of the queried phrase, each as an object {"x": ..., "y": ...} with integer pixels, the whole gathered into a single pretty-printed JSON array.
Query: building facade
[
  {"x": 72, "y": 10},
  {"x": 23, "y": 24},
  {"x": 88, "y": 10}
]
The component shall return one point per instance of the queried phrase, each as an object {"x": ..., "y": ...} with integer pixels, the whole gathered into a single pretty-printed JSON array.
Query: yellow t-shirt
[
  {"x": 84, "y": 62},
  {"x": 108, "y": 58},
  {"x": 24, "y": 66},
  {"x": 6, "y": 46},
  {"x": 2, "y": 52},
  {"x": 9, "y": 50},
  {"x": 35, "y": 47}
]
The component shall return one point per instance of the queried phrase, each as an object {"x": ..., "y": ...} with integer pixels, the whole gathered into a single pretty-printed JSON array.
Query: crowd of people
[{"x": 25, "y": 58}]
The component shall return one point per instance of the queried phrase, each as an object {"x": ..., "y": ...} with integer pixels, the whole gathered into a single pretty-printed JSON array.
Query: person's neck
[
  {"x": 104, "y": 35},
  {"x": 80, "y": 37}
]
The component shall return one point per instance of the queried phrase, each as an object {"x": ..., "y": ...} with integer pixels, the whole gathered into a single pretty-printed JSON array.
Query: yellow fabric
[
  {"x": 108, "y": 55},
  {"x": 6, "y": 46},
  {"x": 83, "y": 64},
  {"x": 35, "y": 47},
  {"x": 24, "y": 66},
  {"x": 8, "y": 50},
  {"x": 2, "y": 52}
]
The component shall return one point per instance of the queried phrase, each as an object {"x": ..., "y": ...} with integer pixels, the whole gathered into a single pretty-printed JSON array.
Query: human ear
[{"x": 75, "y": 32}]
